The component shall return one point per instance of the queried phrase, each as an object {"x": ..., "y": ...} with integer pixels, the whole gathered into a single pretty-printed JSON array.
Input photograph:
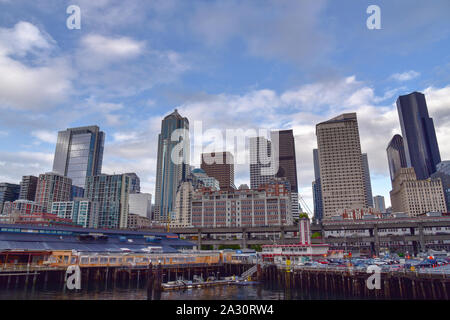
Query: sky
[{"x": 254, "y": 64}]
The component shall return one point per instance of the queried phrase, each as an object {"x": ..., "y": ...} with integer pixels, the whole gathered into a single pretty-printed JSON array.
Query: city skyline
[{"x": 252, "y": 83}]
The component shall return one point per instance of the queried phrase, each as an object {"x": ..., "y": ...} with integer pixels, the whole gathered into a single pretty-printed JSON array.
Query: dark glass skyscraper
[
  {"x": 367, "y": 180},
  {"x": 79, "y": 153},
  {"x": 421, "y": 147},
  {"x": 396, "y": 155},
  {"x": 286, "y": 156},
  {"x": 317, "y": 188},
  {"x": 170, "y": 173},
  {"x": 283, "y": 145}
]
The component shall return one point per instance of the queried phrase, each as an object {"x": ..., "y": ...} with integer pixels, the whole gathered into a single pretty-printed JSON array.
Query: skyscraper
[
  {"x": 379, "y": 204},
  {"x": 396, "y": 155},
  {"x": 416, "y": 197},
  {"x": 220, "y": 165},
  {"x": 261, "y": 162},
  {"x": 28, "y": 188},
  {"x": 421, "y": 147},
  {"x": 112, "y": 194},
  {"x": 79, "y": 153},
  {"x": 283, "y": 145},
  {"x": 170, "y": 172},
  {"x": 52, "y": 187},
  {"x": 287, "y": 165},
  {"x": 317, "y": 188},
  {"x": 341, "y": 168},
  {"x": 367, "y": 181}
]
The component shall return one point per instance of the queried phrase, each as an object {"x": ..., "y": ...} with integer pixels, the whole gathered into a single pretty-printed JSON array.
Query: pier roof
[{"x": 20, "y": 237}]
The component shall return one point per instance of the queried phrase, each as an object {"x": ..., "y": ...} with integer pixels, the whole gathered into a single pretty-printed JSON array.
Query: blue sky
[{"x": 230, "y": 64}]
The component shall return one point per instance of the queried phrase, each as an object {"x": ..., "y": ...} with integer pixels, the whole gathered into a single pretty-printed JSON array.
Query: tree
[
  {"x": 229, "y": 246},
  {"x": 256, "y": 247},
  {"x": 316, "y": 235}
]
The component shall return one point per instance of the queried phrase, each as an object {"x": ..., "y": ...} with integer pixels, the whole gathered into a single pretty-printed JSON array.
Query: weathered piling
[{"x": 353, "y": 284}]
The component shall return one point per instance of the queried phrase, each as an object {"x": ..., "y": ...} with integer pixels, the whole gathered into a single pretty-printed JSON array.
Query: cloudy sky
[{"x": 228, "y": 64}]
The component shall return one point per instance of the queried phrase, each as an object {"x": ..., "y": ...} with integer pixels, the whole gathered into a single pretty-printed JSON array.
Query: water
[{"x": 231, "y": 292}]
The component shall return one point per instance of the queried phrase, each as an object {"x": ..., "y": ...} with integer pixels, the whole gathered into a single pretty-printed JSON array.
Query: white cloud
[
  {"x": 405, "y": 76},
  {"x": 98, "y": 51},
  {"x": 112, "y": 66},
  {"x": 302, "y": 108},
  {"x": 45, "y": 136},
  {"x": 23, "y": 38},
  {"x": 31, "y": 86},
  {"x": 17, "y": 164}
]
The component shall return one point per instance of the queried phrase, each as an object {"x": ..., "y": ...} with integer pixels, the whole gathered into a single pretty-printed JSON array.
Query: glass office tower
[
  {"x": 396, "y": 155},
  {"x": 169, "y": 174},
  {"x": 367, "y": 180},
  {"x": 317, "y": 188},
  {"x": 79, "y": 153},
  {"x": 421, "y": 147}
]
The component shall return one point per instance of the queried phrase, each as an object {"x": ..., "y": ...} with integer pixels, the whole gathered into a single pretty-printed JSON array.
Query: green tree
[
  {"x": 316, "y": 235},
  {"x": 229, "y": 246},
  {"x": 256, "y": 247}
]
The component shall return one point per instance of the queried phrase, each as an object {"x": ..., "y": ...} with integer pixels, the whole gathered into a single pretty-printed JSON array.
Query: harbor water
[{"x": 228, "y": 292}]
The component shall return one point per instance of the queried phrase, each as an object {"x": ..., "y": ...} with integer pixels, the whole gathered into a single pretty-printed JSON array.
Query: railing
[
  {"x": 249, "y": 272},
  {"x": 26, "y": 267},
  {"x": 444, "y": 271}
]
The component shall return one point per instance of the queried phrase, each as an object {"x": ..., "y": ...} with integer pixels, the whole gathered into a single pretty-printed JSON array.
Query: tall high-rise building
[
  {"x": 379, "y": 204},
  {"x": 287, "y": 164},
  {"x": 283, "y": 150},
  {"x": 79, "y": 153},
  {"x": 396, "y": 155},
  {"x": 421, "y": 147},
  {"x": 170, "y": 172},
  {"x": 183, "y": 206},
  {"x": 416, "y": 197},
  {"x": 317, "y": 188},
  {"x": 262, "y": 166},
  {"x": 367, "y": 181},
  {"x": 140, "y": 204},
  {"x": 220, "y": 165},
  {"x": 28, "y": 188},
  {"x": 52, "y": 187},
  {"x": 112, "y": 194},
  {"x": 9, "y": 192},
  {"x": 341, "y": 167}
]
